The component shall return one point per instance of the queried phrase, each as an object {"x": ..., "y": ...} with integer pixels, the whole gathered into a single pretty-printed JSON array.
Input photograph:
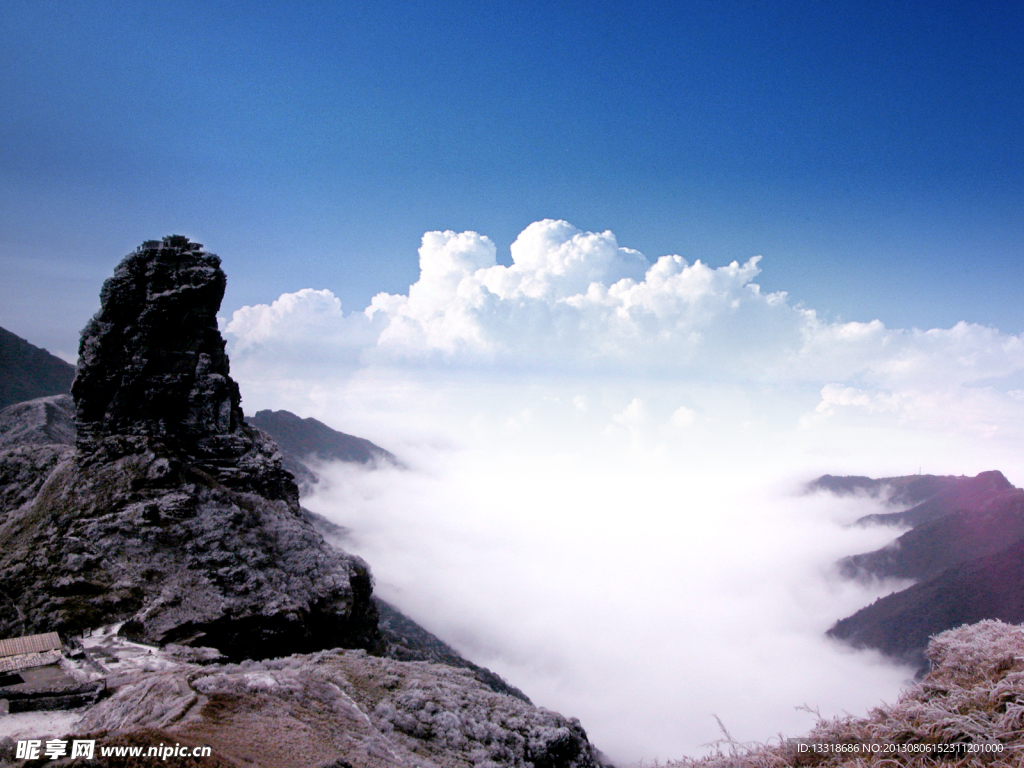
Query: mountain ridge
[
  {"x": 964, "y": 529},
  {"x": 306, "y": 443},
  {"x": 28, "y": 372}
]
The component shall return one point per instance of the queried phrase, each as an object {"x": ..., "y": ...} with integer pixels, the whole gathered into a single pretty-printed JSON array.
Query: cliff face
[
  {"x": 152, "y": 364},
  {"x": 171, "y": 513}
]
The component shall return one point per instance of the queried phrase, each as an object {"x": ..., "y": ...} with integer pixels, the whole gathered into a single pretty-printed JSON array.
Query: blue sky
[{"x": 870, "y": 152}]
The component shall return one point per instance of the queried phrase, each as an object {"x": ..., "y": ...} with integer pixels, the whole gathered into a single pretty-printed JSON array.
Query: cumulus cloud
[
  {"x": 572, "y": 299},
  {"x": 682, "y": 417},
  {"x": 569, "y": 298},
  {"x": 306, "y": 330},
  {"x": 575, "y": 301},
  {"x": 601, "y": 456}
]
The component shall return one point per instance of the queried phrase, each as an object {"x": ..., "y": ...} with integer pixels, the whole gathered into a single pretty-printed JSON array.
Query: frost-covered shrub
[
  {"x": 343, "y": 705},
  {"x": 450, "y": 710}
]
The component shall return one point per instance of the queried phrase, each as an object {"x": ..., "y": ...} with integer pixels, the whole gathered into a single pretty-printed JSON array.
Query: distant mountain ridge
[
  {"x": 28, "y": 372},
  {"x": 982, "y": 527},
  {"x": 965, "y": 548},
  {"x": 307, "y": 442},
  {"x": 908, "y": 489}
]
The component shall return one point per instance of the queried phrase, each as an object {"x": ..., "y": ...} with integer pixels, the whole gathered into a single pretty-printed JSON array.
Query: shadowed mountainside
[
  {"x": 28, "y": 372},
  {"x": 308, "y": 442},
  {"x": 966, "y": 549},
  {"x": 901, "y": 624}
]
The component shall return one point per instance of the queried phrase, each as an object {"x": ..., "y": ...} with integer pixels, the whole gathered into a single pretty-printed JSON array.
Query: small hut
[
  {"x": 31, "y": 677},
  {"x": 30, "y": 651}
]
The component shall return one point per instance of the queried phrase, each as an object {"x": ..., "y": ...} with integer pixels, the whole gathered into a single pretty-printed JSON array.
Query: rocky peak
[
  {"x": 171, "y": 514},
  {"x": 152, "y": 363}
]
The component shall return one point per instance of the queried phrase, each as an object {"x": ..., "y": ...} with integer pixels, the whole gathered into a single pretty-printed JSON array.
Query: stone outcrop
[
  {"x": 152, "y": 364},
  {"x": 172, "y": 513}
]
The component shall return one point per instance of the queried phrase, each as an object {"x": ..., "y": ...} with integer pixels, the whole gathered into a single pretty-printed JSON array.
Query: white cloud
[
  {"x": 305, "y": 332},
  {"x": 574, "y": 299},
  {"x": 569, "y": 298},
  {"x": 682, "y": 417},
  {"x": 597, "y": 444},
  {"x": 299, "y": 315}
]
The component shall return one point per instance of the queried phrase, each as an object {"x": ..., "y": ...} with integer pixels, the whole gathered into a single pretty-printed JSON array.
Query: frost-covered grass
[{"x": 974, "y": 696}]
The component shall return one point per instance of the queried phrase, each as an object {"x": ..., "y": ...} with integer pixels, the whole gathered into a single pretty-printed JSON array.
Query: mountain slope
[
  {"x": 308, "y": 442},
  {"x": 967, "y": 550},
  {"x": 27, "y": 372},
  {"x": 901, "y": 624},
  {"x": 45, "y": 420},
  {"x": 970, "y": 526}
]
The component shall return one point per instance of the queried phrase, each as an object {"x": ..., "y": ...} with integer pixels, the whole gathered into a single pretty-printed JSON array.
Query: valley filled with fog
[{"x": 603, "y": 461}]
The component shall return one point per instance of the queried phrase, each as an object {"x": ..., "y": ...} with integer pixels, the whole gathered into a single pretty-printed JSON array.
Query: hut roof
[{"x": 15, "y": 646}]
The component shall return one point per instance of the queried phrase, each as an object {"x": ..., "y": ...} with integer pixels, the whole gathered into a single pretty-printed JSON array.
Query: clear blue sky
[{"x": 871, "y": 152}]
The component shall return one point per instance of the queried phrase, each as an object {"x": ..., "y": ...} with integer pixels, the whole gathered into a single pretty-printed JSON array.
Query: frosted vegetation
[
  {"x": 337, "y": 707},
  {"x": 974, "y": 695}
]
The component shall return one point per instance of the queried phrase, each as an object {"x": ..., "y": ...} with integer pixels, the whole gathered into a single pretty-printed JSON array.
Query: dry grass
[{"x": 968, "y": 711}]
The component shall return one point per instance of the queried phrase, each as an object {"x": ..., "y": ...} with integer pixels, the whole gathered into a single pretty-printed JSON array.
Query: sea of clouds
[{"x": 603, "y": 463}]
